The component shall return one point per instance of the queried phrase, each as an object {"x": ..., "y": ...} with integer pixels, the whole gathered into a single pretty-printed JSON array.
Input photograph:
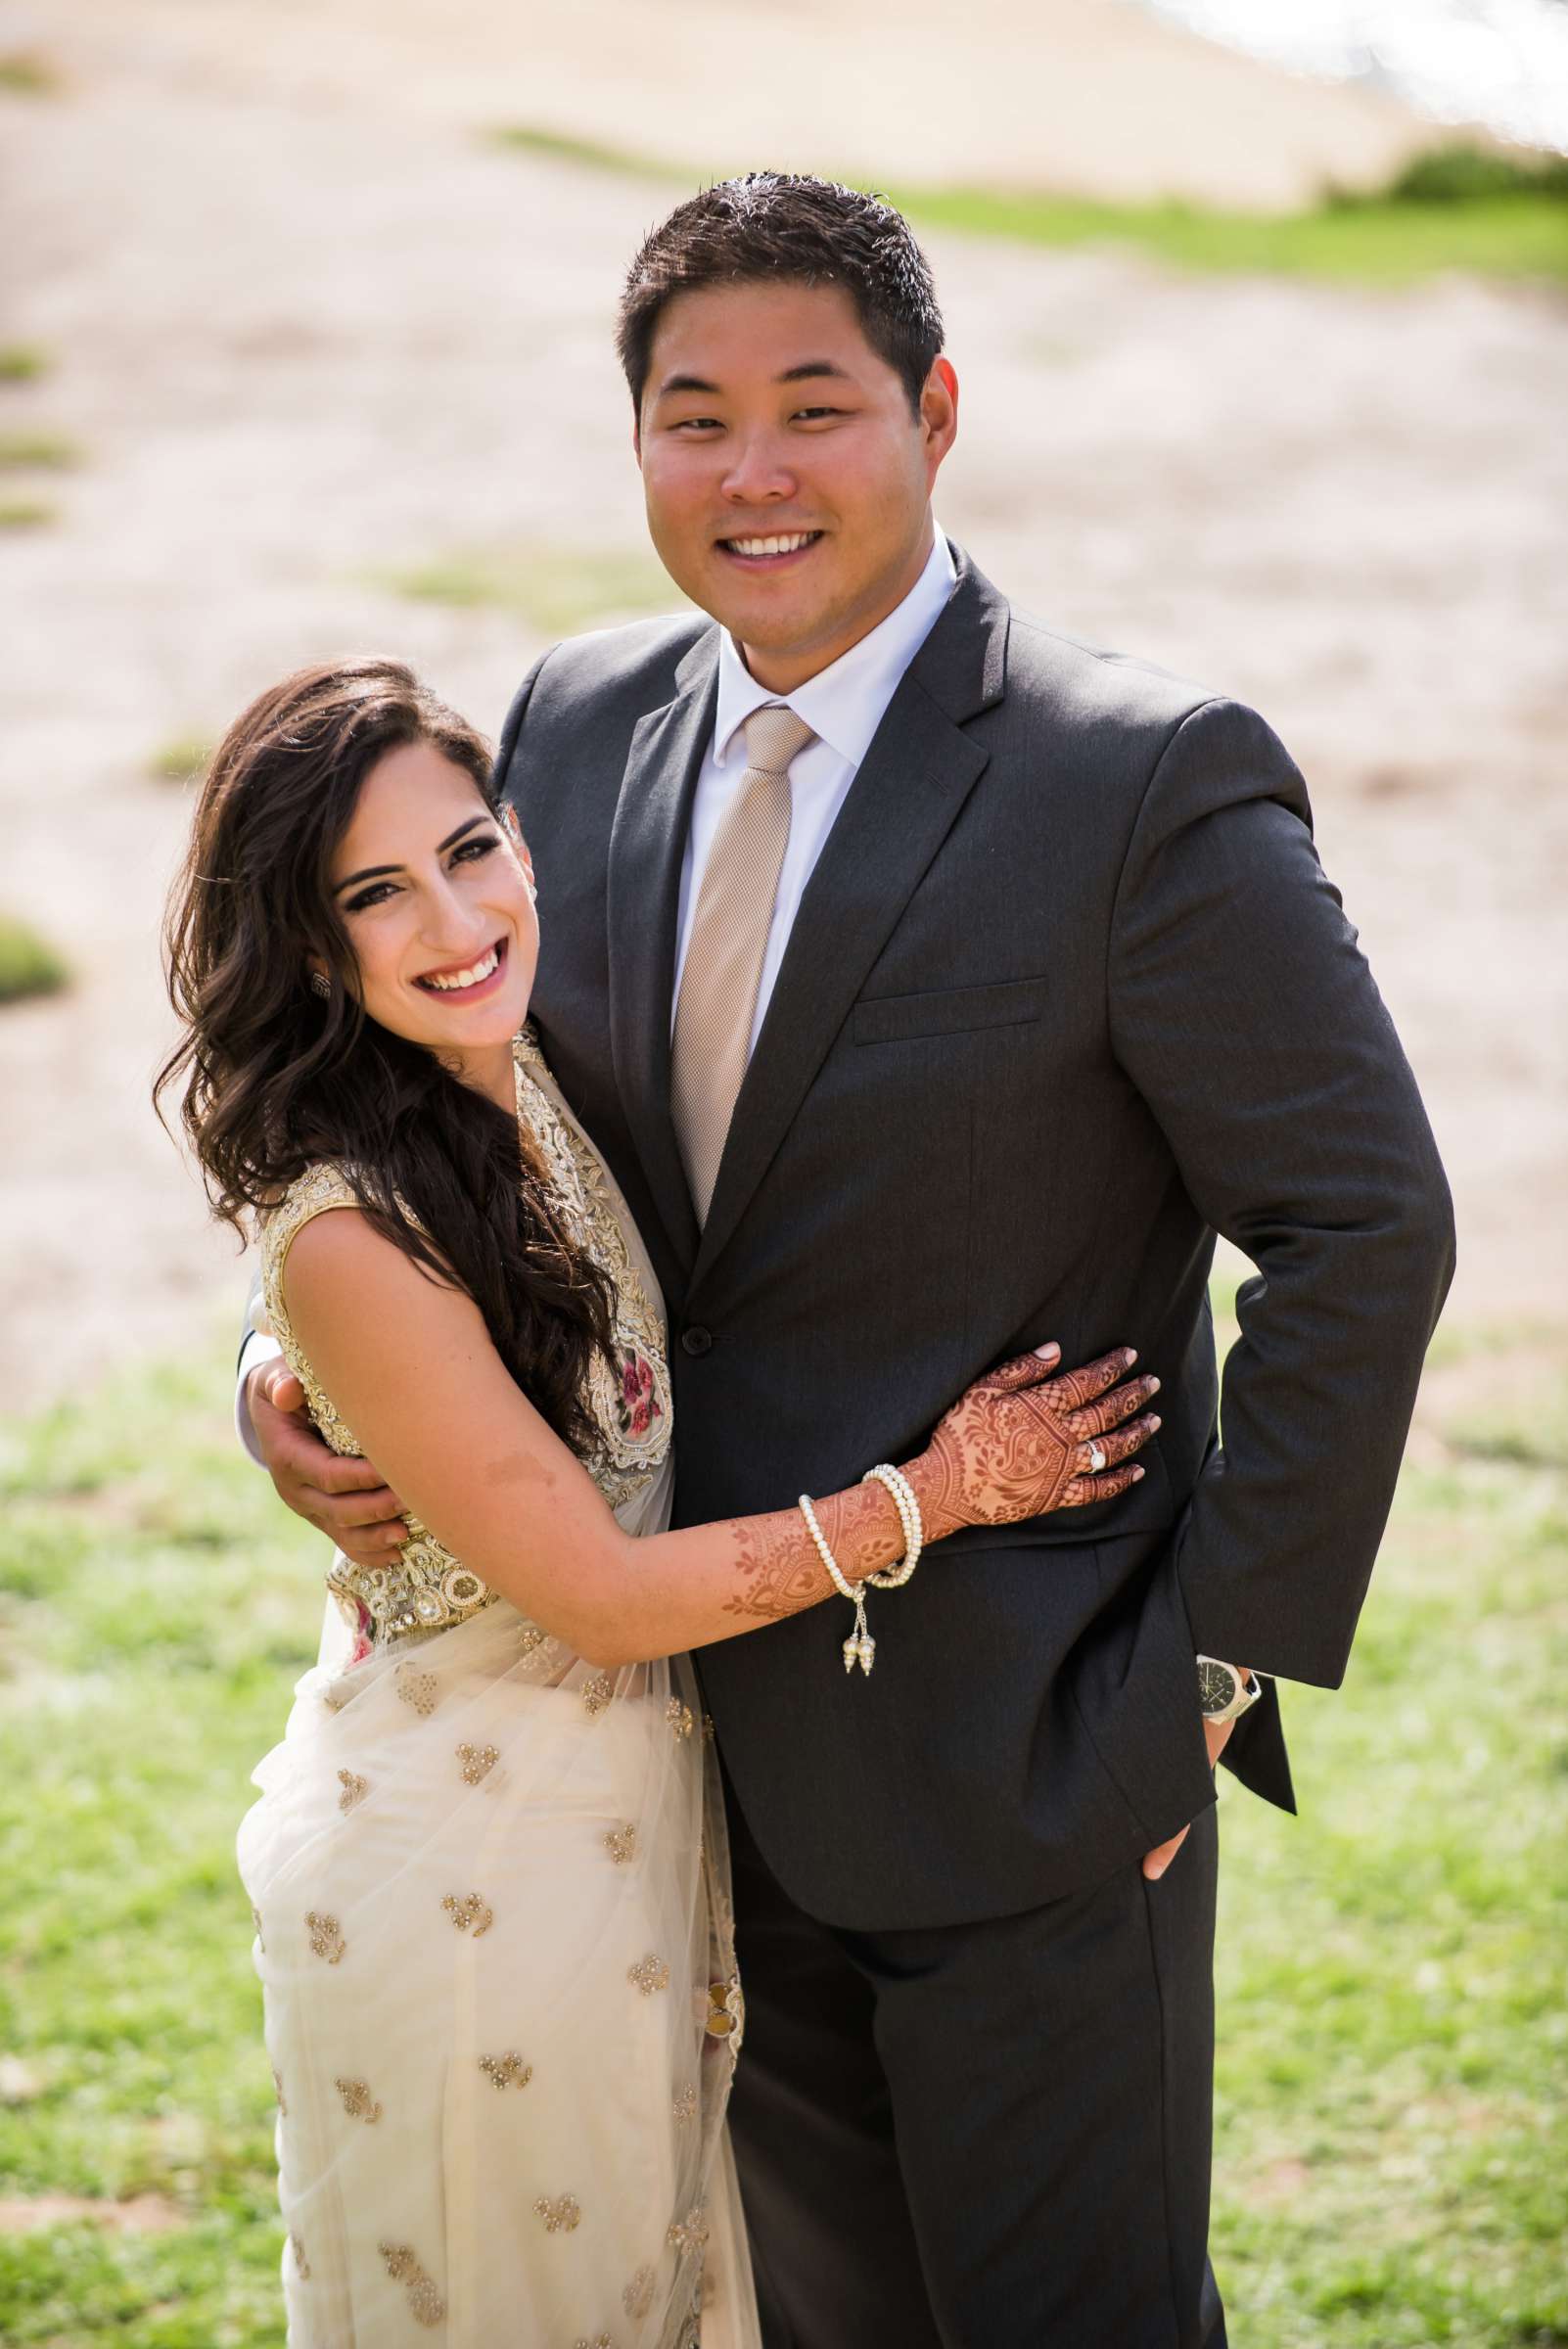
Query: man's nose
[{"x": 758, "y": 472}]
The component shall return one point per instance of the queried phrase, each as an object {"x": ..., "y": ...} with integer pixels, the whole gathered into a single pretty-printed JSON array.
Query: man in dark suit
[{"x": 960, "y": 1018}]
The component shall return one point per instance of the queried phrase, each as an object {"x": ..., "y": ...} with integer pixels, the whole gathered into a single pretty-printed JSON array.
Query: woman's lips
[{"x": 468, "y": 983}]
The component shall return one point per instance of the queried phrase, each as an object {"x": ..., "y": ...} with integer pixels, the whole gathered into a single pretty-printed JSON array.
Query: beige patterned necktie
[{"x": 728, "y": 943}]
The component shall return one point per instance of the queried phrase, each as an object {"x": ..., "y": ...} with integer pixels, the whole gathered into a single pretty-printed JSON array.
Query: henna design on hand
[
  {"x": 1016, "y": 1444},
  {"x": 777, "y": 1559}
]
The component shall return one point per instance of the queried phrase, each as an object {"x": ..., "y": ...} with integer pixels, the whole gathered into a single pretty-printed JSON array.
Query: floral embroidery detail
[
  {"x": 256, "y": 1919},
  {"x": 679, "y": 1718},
  {"x": 506, "y": 2071},
  {"x": 277, "y": 2089},
  {"x": 529, "y": 1639},
  {"x": 637, "y": 2298},
  {"x": 597, "y": 1692},
  {"x": 326, "y": 1936},
  {"x": 650, "y": 1973},
  {"x": 689, "y": 2234},
  {"x": 470, "y": 1911},
  {"x": 478, "y": 1762},
  {"x": 425, "y": 2303},
  {"x": 354, "y": 1788},
  {"x": 358, "y": 2101},
  {"x": 685, "y": 2107},
  {"x": 460, "y": 1589},
  {"x": 417, "y": 1689},
  {"x": 559, "y": 2216},
  {"x": 638, "y": 1405},
  {"x": 726, "y": 2013},
  {"x": 301, "y": 2266},
  {"x": 600, "y": 2340},
  {"x": 622, "y": 1845},
  {"x": 709, "y": 1731}
]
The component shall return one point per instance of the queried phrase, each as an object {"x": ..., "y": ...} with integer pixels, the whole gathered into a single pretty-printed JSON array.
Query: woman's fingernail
[
  {"x": 1050, "y": 1348},
  {"x": 1137, "y": 1475},
  {"x": 1154, "y": 1423},
  {"x": 1154, "y": 1386},
  {"x": 1130, "y": 1355}
]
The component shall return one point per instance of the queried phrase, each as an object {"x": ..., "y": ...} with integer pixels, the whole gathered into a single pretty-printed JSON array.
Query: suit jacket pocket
[{"x": 948, "y": 1011}]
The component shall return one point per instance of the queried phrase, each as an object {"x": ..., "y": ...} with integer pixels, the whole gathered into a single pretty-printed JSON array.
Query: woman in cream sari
[{"x": 488, "y": 1863}]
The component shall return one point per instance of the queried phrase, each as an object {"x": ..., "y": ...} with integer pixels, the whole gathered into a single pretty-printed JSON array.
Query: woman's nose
[{"x": 453, "y": 921}]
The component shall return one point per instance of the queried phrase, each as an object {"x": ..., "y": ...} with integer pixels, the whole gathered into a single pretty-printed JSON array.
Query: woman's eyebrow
[{"x": 377, "y": 872}]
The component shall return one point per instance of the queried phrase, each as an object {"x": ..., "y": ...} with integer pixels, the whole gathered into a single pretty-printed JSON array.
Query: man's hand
[
  {"x": 1156, "y": 1863},
  {"x": 343, "y": 1499}
]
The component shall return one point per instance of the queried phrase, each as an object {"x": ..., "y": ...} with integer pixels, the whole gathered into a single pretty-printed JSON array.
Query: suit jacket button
[{"x": 697, "y": 1340}]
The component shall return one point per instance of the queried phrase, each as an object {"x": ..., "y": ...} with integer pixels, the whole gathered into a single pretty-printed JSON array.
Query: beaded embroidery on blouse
[{"x": 427, "y": 1588}]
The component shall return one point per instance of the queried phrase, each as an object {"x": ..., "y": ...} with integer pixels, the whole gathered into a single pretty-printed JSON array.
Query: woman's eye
[
  {"x": 374, "y": 896},
  {"x": 472, "y": 849}
]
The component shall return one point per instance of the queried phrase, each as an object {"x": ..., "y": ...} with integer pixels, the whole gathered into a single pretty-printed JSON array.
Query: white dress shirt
[{"x": 843, "y": 706}]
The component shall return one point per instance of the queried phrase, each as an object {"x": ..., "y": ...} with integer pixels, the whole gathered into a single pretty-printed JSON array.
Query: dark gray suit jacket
[{"x": 1067, "y": 993}]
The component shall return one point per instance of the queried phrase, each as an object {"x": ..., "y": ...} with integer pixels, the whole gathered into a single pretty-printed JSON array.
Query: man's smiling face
[{"x": 787, "y": 477}]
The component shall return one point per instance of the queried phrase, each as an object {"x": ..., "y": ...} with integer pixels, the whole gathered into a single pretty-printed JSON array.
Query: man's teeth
[
  {"x": 468, "y": 978},
  {"x": 772, "y": 546}
]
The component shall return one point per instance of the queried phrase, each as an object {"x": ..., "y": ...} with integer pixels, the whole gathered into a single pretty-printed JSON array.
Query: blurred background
[{"x": 1261, "y": 317}]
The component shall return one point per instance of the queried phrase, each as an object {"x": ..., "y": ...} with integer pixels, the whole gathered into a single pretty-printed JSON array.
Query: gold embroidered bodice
[{"x": 629, "y": 1404}]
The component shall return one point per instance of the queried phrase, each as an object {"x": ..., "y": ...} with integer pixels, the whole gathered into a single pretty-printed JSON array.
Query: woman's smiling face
[{"x": 436, "y": 897}]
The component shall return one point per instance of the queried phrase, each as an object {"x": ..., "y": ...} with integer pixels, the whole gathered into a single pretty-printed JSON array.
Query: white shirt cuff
[{"x": 257, "y": 1349}]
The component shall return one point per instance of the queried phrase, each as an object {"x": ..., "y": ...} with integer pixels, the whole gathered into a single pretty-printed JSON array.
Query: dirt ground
[{"x": 311, "y": 328}]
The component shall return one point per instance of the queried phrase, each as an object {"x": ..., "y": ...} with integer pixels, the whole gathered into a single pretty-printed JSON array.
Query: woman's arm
[{"x": 410, "y": 1367}]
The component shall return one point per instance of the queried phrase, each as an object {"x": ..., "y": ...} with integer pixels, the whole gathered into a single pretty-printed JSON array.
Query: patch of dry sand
[{"x": 305, "y": 337}]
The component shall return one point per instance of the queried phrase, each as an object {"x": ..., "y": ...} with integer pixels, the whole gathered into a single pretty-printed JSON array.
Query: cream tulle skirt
[{"x": 493, "y": 1931}]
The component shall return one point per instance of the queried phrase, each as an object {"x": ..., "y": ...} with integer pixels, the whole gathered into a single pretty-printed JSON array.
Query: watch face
[{"x": 1216, "y": 1685}]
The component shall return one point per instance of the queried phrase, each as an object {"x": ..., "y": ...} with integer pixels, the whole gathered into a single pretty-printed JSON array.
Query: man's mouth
[
  {"x": 469, "y": 980},
  {"x": 764, "y": 553}
]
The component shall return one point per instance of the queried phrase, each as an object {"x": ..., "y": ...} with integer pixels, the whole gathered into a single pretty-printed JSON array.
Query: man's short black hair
[{"x": 789, "y": 228}]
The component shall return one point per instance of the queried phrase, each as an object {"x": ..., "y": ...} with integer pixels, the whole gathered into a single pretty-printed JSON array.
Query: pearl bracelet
[
  {"x": 895, "y": 1481},
  {"x": 859, "y": 1647}
]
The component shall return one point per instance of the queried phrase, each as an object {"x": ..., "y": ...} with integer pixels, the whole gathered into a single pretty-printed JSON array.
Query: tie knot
[{"x": 775, "y": 736}]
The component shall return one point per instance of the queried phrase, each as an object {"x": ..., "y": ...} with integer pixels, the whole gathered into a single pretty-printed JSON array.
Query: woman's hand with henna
[{"x": 1024, "y": 1439}]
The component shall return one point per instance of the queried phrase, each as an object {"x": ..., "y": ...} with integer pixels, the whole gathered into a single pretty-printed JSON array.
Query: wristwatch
[{"x": 1224, "y": 1693}]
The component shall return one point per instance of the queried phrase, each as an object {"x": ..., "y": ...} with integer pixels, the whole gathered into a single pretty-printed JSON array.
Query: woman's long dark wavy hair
[{"x": 275, "y": 1079}]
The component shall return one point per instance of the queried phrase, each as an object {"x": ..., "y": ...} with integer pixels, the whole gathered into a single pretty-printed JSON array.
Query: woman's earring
[{"x": 321, "y": 983}]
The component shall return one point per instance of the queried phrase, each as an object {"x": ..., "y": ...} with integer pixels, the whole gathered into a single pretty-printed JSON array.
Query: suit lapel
[
  {"x": 915, "y": 777},
  {"x": 647, "y": 846}
]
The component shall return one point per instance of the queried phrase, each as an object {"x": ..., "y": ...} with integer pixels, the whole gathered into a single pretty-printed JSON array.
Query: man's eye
[
  {"x": 695, "y": 424},
  {"x": 814, "y": 415}
]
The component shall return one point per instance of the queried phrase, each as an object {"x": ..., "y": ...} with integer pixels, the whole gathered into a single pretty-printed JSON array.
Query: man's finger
[
  {"x": 277, "y": 1385},
  {"x": 1156, "y": 1863},
  {"x": 340, "y": 1472},
  {"x": 373, "y": 1545},
  {"x": 350, "y": 1512}
]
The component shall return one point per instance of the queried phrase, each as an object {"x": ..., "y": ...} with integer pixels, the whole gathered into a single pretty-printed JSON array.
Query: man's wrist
[{"x": 1225, "y": 1690}]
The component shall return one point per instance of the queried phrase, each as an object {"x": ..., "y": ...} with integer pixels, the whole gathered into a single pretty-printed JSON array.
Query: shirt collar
[{"x": 845, "y": 702}]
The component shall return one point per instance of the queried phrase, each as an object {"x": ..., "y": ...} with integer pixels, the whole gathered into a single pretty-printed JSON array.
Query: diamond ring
[{"x": 1096, "y": 1457}]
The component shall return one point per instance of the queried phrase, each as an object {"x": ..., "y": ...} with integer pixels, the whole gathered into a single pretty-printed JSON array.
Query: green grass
[
  {"x": 183, "y": 759},
  {"x": 28, "y": 964},
  {"x": 556, "y": 589},
  {"x": 1393, "y": 2043},
  {"x": 27, "y": 512},
  {"x": 1457, "y": 209},
  {"x": 24, "y": 73},
  {"x": 23, "y": 362},
  {"x": 37, "y": 451}
]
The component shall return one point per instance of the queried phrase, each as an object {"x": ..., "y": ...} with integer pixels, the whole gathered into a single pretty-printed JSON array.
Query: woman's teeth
[
  {"x": 772, "y": 546},
  {"x": 450, "y": 980}
]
